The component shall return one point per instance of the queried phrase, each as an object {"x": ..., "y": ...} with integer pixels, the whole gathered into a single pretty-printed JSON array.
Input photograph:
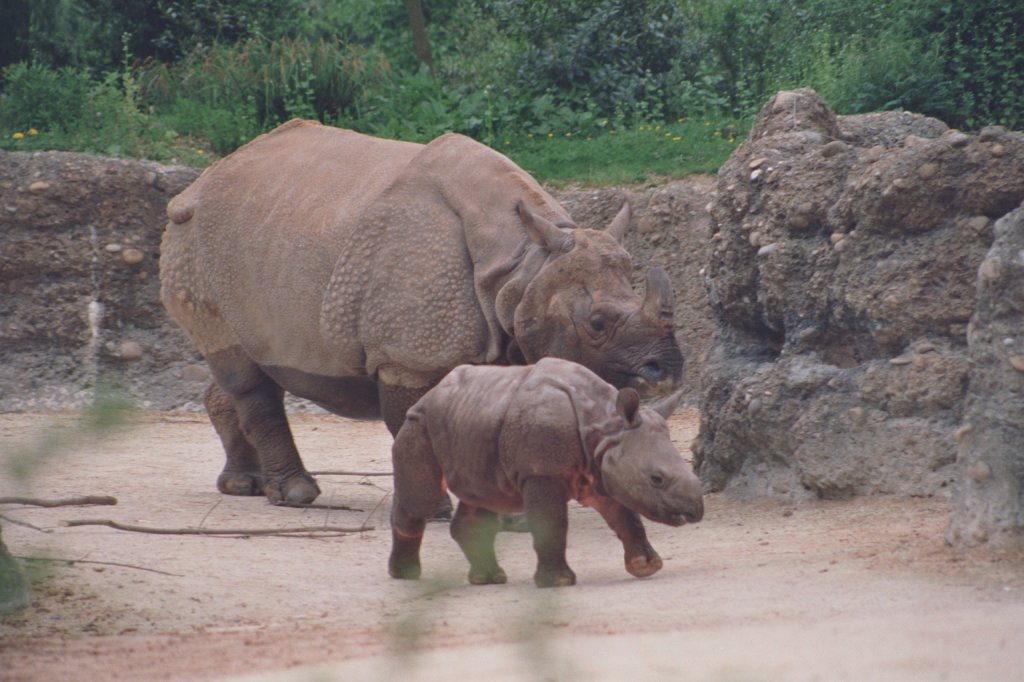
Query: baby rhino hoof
[
  {"x": 562, "y": 577},
  {"x": 494, "y": 576},
  {"x": 404, "y": 570},
  {"x": 299, "y": 489},
  {"x": 642, "y": 566}
]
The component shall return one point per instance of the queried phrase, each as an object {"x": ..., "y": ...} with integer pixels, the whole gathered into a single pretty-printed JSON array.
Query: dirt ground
[{"x": 860, "y": 589}]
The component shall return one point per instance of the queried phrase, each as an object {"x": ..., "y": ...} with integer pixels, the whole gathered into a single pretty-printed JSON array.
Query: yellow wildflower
[
  {"x": 676, "y": 138},
  {"x": 33, "y": 131},
  {"x": 18, "y": 136},
  {"x": 200, "y": 151},
  {"x": 569, "y": 134}
]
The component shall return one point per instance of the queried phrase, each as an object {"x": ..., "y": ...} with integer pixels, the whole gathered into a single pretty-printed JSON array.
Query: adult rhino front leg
[{"x": 258, "y": 406}]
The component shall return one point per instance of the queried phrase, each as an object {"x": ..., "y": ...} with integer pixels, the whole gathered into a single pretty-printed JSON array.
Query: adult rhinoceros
[{"x": 356, "y": 272}]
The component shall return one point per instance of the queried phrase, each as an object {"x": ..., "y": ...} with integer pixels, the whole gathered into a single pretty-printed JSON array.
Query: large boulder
[
  {"x": 988, "y": 499},
  {"x": 842, "y": 280}
]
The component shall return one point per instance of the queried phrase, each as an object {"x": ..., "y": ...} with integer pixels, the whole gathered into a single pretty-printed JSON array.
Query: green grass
[
  {"x": 630, "y": 156},
  {"x": 644, "y": 154}
]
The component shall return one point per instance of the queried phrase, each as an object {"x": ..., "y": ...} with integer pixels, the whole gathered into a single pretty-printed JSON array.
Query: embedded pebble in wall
[
  {"x": 130, "y": 350},
  {"x": 132, "y": 256}
]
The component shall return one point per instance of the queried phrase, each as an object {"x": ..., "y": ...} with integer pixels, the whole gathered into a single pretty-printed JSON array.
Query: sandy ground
[{"x": 861, "y": 589}]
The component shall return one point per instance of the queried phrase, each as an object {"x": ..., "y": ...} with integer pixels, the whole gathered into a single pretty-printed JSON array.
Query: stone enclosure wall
[{"x": 849, "y": 299}]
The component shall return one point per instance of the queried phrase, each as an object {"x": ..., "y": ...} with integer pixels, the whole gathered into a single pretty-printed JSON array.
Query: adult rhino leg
[
  {"x": 395, "y": 401},
  {"x": 419, "y": 487},
  {"x": 641, "y": 559},
  {"x": 242, "y": 474},
  {"x": 258, "y": 404},
  {"x": 546, "y": 505},
  {"x": 474, "y": 528}
]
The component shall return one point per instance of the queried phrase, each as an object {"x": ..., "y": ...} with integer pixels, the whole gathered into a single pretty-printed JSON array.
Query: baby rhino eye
[{"x": 597, "y": 323}]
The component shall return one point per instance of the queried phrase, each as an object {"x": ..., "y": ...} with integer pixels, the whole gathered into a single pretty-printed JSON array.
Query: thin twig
[
  {"x": 377, "y": 506},
  {"x": 215, "y": 531},
  {"x": 316, "y": 505},
  {"x": 72, "y": 562},
  {"x": 68, "y": 502},
  {"x": 351, "y": 473},
  {"x": 210, "y": 511},
  {"x": 16, "y": 522}
]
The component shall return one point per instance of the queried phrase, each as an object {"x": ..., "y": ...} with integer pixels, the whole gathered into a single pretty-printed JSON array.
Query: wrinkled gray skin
[
  {"x": 510, "y": 439},
  {"x": 356, "y": 272}
]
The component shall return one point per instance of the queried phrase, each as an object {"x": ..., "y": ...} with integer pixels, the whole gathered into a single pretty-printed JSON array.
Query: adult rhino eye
[{"x": 597, "y": 323}]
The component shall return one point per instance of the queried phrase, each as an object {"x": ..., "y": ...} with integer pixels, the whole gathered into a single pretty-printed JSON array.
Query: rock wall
[
  {"x": 79, "y": 286},
  {"x": 842, "y": 281},
  {"x": 988, "y": 499}
]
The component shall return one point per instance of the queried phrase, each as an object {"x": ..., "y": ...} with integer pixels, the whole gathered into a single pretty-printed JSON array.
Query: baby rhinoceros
[{"x": 510, "y": 439}]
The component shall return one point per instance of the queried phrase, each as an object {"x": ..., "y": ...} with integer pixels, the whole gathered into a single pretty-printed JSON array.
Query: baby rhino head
[{"x": 643, "y": 470}]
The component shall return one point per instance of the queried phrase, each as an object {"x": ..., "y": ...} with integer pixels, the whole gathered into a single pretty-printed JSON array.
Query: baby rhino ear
[{"x": 628, "y": 405}]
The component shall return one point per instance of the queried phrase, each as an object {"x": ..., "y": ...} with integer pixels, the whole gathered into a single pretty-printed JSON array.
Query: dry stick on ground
[
  {"x": 16, "y": 522},
  {"x": 351, "y": 473},
  {"x": 315, "y": 505},
  {"x": 71, "y": 562},
  {"x": 215, "y": 531},
  {"x": 68, "y": 502}
]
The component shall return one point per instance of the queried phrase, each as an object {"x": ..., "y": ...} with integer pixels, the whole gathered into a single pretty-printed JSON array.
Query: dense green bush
[
  {"x": 42, "y": 98},
  {"x": 171, "y": 77}
]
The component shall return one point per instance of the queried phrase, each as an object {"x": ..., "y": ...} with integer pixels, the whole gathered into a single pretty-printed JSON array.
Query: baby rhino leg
[
  {"x": 474, "y": 529},
  {"x": 419, "y": 488},
  {"x": 641, "y": 559},
  {"x": 545, "y": 502}
]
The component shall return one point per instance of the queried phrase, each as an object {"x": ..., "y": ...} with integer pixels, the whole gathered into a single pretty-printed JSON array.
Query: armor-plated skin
[
  {"x": 356, "y": 272},
  {"x": 510, "y": 439}
]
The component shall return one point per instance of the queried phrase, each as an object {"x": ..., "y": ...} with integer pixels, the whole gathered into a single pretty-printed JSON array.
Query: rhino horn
[
  {"x": 667, "y": 405},
  {"x": 544, "y": 232},
  {"x": 658, "y": 301},
  {"x": 620, "y": 223},
  {"x": 628, "y": 405}
]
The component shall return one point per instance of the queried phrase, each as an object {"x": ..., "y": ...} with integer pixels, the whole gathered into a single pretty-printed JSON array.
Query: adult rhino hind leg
[
  {"x": 475, "y": 528},
  {"x": 258, "y": 406},
  {"x": 242, "y": 474},
  {"x": 395, "y": 401}
]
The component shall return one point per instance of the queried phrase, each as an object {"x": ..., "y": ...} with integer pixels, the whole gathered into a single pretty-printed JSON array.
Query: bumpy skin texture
[
  {"x": 510, "y": 439},
  {"x": 356, "y": 272}
]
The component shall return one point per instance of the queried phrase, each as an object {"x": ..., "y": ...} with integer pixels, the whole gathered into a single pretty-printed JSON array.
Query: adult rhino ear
[
  {"x": 667, "y": 405},
  {"x": 620, "y": 223},
  {"x": 658, "y": 300},
  {"x": 628, "y": 405},
  {"x": 544, "y": 232}
]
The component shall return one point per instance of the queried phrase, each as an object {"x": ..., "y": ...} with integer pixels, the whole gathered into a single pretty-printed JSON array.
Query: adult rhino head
[{"x": 581, "y": 306}]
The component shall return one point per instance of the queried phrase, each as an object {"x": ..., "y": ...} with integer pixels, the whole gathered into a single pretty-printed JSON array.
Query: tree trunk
[{"x": 419, "y": 33}]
